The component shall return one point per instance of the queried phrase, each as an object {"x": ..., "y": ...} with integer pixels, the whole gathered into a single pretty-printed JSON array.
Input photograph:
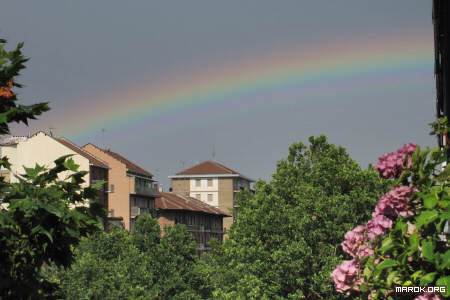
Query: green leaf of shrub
[
  {"x": 384, "y": 265},
  {"x": 428, "y": 249},
  {"x": 427, "y": 278},
  {"x": 429, "y": 200},
  {"x": 426, "y": 217},
  {"x": 444, "y": 281},
  {"x": 414, "y": 241}
]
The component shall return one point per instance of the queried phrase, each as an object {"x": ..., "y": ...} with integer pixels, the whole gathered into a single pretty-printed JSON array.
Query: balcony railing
[
  {"x": 144, "y": 190},
  {"x": 137, "y": 211},
  {"x": 193, "y": 228}
]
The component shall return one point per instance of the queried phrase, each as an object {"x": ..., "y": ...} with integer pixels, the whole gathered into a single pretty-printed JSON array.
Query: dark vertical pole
[{"x": 441, "y": 22}]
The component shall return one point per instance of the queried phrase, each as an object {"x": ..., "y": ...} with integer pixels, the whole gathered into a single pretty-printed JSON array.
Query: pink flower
[
  {"x": 408, "y": 148},
  {"x": 428, "y": 296},
  {"x": 347, "y": 276},
  {"x": 391, "y": 165},
  {"x": 388, "y": 165},
  {"x": 355, "y": 243},
  {"x": 378, "y": 226},
  {"x": 396, "y": 202}
]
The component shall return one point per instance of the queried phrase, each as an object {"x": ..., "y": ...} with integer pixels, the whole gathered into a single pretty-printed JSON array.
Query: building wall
[
  {"x": 202, "y": 226},
  {"x": 119, "y": 200},
  {"x": 203, "y": 191},
  {"x": 181, "y": 186},
  {"x": 43, "y": 150},
  {"x": 165, "y": 219},
  {"x": 226, "y": 200}
]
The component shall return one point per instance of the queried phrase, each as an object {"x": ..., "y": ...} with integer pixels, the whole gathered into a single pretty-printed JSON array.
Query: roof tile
[
  {"x": 207, "y": 167},
  {"x": 171, "y": 201},
  {"x": 92, "y": 159}
]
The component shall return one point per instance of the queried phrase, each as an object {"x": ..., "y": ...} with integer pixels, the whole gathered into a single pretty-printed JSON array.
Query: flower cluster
[
  {"x": 390, "y": 165},
  {"x": 355, "y": 243},
  {"x": 358, "y": 242},
  {"x": 396, "y": 202},
  {"x": 378, "y": 226},
  {"x": 347, "y": 276},
  {"x": 428, "y": 296}
]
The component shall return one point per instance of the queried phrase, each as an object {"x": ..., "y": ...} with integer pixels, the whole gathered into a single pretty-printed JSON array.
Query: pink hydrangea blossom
[
  {"x": 355, "y": 243},
  {"x": 428, "y": 296},
  {"x": 378, "y": 226},
  {"x": 396, "y": 202},
  {"x": 390, "y": 165},
  {"x": 408, "y": 149},
  {"x": 347, "y": 276}
]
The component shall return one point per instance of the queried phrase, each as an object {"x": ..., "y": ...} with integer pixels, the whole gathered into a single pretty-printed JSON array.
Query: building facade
[
  {"x": 202, "y": 220},
  {"x": 213, "y": 184},
  {"x": 132, "y": 190},
  {"x": 44, "y": 149}
]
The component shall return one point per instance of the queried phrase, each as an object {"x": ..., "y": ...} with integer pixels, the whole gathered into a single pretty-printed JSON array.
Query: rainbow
[{"x": 296, "y": 72}]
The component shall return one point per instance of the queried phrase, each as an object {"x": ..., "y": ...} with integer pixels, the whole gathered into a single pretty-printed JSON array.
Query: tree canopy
[
  {"x": 285, "y": 242},
  {"x": 41, "y": 216}
]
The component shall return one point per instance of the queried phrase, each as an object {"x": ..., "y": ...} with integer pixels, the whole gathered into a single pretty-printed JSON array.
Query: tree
[
  {"x": 285, "y": 242},
  {"x": 41, "y": 216},
  {"x": 139, "y": 265},
  {"x": 108, "y": 266}
]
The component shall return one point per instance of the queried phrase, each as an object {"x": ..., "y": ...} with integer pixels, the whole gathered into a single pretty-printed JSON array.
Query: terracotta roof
[
  {"x": 92, "y": 159},
  {"x": 171, "y": 201},
  {"x": 207, "y": 167},
  {"x": 130, "y": 165}
]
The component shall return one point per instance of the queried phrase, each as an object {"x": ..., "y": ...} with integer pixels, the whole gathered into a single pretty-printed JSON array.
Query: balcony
[
  {"x": 147, "y": 188},
  {"x": 201, "y": 228},
  {"x": 137, "y": 211}
]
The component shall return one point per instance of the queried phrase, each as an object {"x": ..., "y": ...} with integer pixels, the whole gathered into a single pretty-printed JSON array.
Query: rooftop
[
  {"x": 171, "y": 201},
  {"x": 209, "y": 168},
  {"x": 92, "y": 159},
  {"x": 130, "y": 165}
]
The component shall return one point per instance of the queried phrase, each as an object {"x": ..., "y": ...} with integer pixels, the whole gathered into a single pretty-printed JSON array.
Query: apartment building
[
  {"x": 132, "y": 190},
  {"x": 44, "y": 149},
  {"x": 213, "y": 184},
  {"x": 202, "y": 220}
]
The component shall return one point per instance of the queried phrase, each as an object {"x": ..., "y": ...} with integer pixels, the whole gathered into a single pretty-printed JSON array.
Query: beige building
[
  {"x": 202, "y": 220},
  {"x": 213, "y": 184},
  {"x": 132, "y": 190},
  {"x": 44, "y": 149}
]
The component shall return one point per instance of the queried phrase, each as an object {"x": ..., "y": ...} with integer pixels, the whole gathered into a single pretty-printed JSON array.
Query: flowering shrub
[{"x": 404, "y": 243}]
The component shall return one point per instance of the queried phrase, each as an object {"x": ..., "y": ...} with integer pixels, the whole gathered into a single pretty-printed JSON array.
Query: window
[
  {"x": 210, "y": 182},
  {"x": 198, "y": 196},
  {"x": 210, "y": 197},
  {"x": 111, "y": 188},
  {"x": 198, "y": 182}
]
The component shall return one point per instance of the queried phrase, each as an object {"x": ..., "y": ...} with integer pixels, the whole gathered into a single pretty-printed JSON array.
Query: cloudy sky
[{"x": 167, "y": 82}]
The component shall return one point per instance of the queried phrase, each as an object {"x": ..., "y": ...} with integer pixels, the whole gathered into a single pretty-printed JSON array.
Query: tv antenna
[{"x": 50, "y": 129}]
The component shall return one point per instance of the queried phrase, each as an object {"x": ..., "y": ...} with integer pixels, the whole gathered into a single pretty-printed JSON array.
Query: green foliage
[
  {"x": 286, "y": 240},
  {"x": 41, "y": 216},
  {"x": 140, "y": 265}
]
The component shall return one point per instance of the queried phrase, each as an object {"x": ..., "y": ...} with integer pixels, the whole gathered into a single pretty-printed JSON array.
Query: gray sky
[{"x": 81, "y": 49}]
